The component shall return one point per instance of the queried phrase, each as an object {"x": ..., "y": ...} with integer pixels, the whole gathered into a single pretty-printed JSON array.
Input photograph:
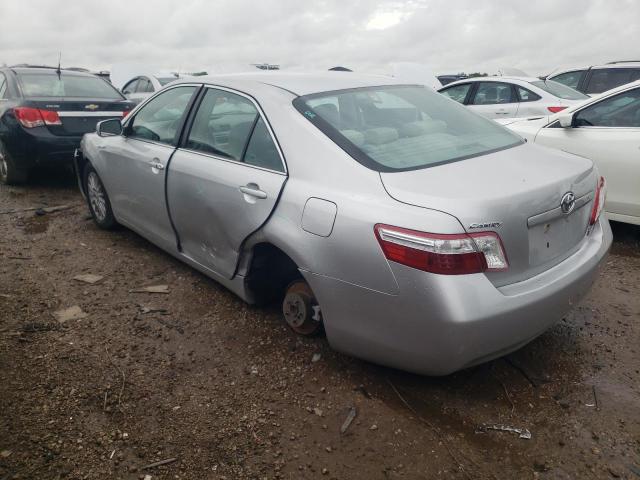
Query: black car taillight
[{"x": 34, "y": 117}]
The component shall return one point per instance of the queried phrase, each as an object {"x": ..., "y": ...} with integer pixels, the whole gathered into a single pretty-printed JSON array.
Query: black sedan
[{"x": 44, "y": 112}]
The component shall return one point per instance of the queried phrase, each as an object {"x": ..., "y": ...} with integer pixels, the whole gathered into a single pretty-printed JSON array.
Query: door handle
[
  {"x": 253, "y": 190},
  {"x": 156, "y": 164}
]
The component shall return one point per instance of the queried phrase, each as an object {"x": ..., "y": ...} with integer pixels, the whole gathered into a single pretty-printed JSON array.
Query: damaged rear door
[{"x": 224, "y": 180}]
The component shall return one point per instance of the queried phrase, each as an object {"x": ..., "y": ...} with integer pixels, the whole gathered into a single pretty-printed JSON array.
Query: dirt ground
[{"x": 225, "y": 391}]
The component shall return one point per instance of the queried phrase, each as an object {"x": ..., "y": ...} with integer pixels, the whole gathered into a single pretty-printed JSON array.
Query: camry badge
[
  {"x": 92, "y": 106},
  {"x": 486, "y": 225},
  {"x": 568, "y": 203}
]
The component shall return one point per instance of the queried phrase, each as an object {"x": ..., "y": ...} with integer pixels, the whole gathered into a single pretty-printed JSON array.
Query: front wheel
[
  {"x": 98, "y": 200},
  {"x": 301, "y": 309}
]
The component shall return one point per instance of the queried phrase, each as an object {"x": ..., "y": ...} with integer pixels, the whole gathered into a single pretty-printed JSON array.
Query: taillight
[
  {"x": 598, "y": 201},
  {"x": 555, "y": 109},
  {"x": 33, "y": 117},
  {"x": 447, "y": 254},
  {"x": 125, "y": 113}
]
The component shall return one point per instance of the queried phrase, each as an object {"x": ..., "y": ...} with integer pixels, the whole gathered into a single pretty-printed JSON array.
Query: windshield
[
  {"x": 559, "y": 90},
  {"x": 50, "y": 85},
  {"x": 396, "y": 128},
  {"x": 164, "y": 80}
]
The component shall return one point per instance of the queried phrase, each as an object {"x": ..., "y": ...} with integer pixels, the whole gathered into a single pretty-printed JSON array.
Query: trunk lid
[
  {"x": 79, "y": 115},
  {"x": 521, "y": 188}
]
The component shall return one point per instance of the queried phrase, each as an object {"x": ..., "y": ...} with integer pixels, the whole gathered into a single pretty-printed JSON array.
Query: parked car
[
  {"x": 420, "y": 235},
  {"x": 139, "y": 88},
  {"x": 43, "y": 114},
  {"x": 606, "y": 130},
  {"x": 506, "y": 97},
  {"x": 599, "y": 78}
]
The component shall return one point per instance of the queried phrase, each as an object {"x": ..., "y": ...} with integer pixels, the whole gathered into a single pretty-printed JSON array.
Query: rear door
[
  {"x": 136, "y": 163},
  {"x": 607, "y": 132},
  {"x": 224, "y": 180},
  {"x": 495, "y": 100}
]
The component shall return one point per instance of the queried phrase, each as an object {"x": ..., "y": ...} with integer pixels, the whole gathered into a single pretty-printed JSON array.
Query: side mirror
[
  {"x": 109, "y": 128},
  {"x": 566, "y": 120}
]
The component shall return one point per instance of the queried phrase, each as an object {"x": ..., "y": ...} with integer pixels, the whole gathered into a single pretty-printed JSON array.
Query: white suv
[{"x": 599, "y": 78}]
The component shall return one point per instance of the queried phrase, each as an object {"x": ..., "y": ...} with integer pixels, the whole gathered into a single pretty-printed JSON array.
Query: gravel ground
[{"x": 226, "y": 391}]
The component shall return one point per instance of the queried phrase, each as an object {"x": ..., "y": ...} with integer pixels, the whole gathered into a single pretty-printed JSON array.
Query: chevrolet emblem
[{"x": 92, "y": 106}]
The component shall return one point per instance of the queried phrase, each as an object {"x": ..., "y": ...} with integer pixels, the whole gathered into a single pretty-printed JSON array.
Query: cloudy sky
[{"x": 367, "y": 35}]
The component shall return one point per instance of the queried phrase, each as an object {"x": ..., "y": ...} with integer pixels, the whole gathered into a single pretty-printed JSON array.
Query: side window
[
  {"x": 457, "y": 92},
  {"x": 3, "y": 86},
  {"x": 261, "y": 150},
  {"x": 570, "y": 79},
  {"x": 622, "y": 110},
  {"x": 492, "y": 93},
  {"x": 130, "y": 87},
  {"x": 604, "y": 79},
  {"x": 144, "y": 85},
  {"x": 159, "y": 119},
  {"x": 222, "y": 125},
  {"x": 527, "y": 95}
]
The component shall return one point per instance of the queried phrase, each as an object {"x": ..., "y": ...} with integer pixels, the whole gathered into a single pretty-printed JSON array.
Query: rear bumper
[
  {"x": 38, "y": 147},
  {"x": 438, "y": 324}
]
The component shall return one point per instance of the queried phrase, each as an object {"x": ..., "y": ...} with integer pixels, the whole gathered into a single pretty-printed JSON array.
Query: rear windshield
[
  {"x": 396, "y": 128},
  {"x": 50, "y": 85},
  {"x": 559, "y": 90}
]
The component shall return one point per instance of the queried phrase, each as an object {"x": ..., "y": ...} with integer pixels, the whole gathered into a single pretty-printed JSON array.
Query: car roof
[
  {"x": 507, "y": 79},
  {"x": 50, "y": 70},
  {"x": 294, "y": 82}
]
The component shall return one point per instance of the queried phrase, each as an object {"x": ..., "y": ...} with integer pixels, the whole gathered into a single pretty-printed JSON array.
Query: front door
[
  {"x": 224, "y": 180},
  {"x": 139, "y": 160}
]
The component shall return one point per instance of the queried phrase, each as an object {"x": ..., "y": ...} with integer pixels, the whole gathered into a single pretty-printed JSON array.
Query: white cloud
[{"x": 364, "y": 35}]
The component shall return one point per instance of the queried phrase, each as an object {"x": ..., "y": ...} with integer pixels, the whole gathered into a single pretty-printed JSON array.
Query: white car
[
  {"x": 606, "y": 130},
  {"x": 508, "y": 97},
  {"x": 141, "y": 87}
]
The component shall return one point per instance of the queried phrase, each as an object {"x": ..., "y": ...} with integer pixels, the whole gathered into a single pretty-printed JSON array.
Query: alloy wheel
[{"x": 97, "y": 198}]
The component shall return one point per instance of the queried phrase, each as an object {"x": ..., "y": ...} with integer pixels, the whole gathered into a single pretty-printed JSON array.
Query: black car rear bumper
[{"x": 37, "y": 147}]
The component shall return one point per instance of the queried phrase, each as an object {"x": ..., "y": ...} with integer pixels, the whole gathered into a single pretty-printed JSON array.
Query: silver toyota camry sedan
[{"x": 416, "y": 233}]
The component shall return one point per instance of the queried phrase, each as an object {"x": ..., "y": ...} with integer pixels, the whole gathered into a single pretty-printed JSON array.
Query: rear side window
[
  {"x": 570, "y": 79},
  {"x": 492, "y": 93},
  {"x": 144, "y": 86},
  {"x": 130, "y": 87},
  {"x": 622, "y": 110},
  {"x": 159, "y": 119},
  {"x": 50, "y": 85},
  {"x": 457, "y": 92},
  {"x": 229, "y": 126},
  {"x": 604, "y": 79},
  {"x": 527, "y": 95}
]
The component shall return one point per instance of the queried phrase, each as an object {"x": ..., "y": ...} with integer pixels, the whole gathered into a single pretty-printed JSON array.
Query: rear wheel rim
[
  {"x": 96, "y": 196},
  {"x": 4, "y": 168}
]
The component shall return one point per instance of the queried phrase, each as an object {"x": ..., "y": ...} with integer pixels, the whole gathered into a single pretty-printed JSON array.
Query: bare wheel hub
[{"x": 301, "y": 310}]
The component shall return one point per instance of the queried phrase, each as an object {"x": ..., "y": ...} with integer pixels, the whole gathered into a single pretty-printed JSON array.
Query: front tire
[
  {"x": 10, "y": 173},
  {"x": 98, "y": 200}
]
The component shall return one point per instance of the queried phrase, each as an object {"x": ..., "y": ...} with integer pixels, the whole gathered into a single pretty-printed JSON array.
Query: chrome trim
[
  {"x": 90, "y": 114},
  {"x": 557, "y": 212},
  {"x": 230, "y": 160}
]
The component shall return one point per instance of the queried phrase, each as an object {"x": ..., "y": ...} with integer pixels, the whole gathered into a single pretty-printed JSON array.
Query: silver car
[{"x": 418, "y": 234}]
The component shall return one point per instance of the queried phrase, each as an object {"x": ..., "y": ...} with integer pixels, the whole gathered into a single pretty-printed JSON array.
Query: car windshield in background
[
  {"x": 164, "y": 80},
  {"x": 559, "y": 90},
  {"x": 396, "y": 128},
  {"x": 50, "y": 85}
]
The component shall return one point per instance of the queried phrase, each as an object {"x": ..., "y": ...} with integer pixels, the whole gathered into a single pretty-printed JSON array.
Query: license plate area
[{"x": 557, "y": 237}]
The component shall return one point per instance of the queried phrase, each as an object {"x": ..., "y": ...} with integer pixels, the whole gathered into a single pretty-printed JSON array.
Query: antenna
[{"x": 58, "y": 71}]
